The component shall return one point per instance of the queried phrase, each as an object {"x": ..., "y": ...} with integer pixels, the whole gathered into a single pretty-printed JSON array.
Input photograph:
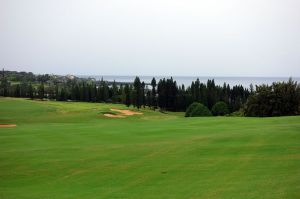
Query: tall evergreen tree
[
  {"x": 114, "y": 95},
  {"x": 56, "y": 92},
  {"x": 197, "y": 90},
  {"x": 41, "y": 91},
  {"x": 137, "y": 100},
  {"x": 17, "y": 91},
  {"x": 30, "y": 91},
  {"x": 62, "y": 96},
  {"x": 153, "y": 102},
  {"x": 23, "y": 89},
  {"x": 143, "y": 97},
  {"x": 4, "y": 87},
  {"x": 127, "y": 95},
  {"x": 51, "y": 91},
  {"x": 105, "y": 92}
]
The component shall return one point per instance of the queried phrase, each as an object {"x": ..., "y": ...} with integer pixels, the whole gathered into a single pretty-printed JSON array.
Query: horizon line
[{"x": 164, "y": 75}]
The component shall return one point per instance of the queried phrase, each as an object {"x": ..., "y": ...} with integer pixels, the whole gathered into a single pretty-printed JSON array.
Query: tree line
[{"x": 163, "y": 94}]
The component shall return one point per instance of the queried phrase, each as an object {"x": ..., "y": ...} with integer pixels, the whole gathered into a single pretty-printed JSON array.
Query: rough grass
[{"x": 70, "y": 150}]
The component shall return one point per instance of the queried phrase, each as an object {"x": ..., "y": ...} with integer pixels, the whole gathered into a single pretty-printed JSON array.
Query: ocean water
[{"x": 187, "y": 80}]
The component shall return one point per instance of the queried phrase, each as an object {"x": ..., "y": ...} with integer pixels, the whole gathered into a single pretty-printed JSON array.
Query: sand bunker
[
  {"x": 7, "y": 125},
  {"x": 113, "y": 116},
  {"x": 126, "y": 112},
  {"x": 122, "y": 113}
]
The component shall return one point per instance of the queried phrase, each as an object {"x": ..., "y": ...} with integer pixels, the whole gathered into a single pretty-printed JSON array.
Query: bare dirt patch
[
  {"x": 113, "y": 116},
  {"x": 126, "y": 112},
  {"x": 7, "y": 125},
  {"x": 121, "y": 113}
]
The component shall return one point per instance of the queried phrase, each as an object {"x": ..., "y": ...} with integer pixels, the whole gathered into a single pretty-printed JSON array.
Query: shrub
[
  {"x": 190, "y": 109},
  {"x": 239, "y": 113},
  {"x": 196, "y": 110},
  {"x": 220, "y": 108}
]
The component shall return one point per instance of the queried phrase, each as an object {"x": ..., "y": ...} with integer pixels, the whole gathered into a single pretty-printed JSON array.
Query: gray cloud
[{"x": 158, "y": 37}]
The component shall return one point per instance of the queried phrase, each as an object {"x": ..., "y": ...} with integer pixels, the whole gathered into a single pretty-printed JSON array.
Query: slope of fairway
[{"x": 70, "y": 150}]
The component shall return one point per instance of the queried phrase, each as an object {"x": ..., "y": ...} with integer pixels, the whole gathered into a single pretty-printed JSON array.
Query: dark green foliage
[
  {"x": 190, "y": 109},
  {"x": 239, "y": 113},
  {"x": 137, "y": 96},
  {"x": 182, "y": 99},
  {"x": 148, "y": 99},
  {"x": 211, "y": 93},
  {"x": 50, "y": 90},
  {"x": 167, "y": 92},
  {"x": 41, "y": 91},
  {"x": 23, "y": 89},
  {"x": 127, "y": 100},
  {"x": 4, "y": 86},
  {"x": 143, "y": 97},
  {"x": 17, "y": 91},
  {"x": 153, "y": 102},
  {"x": 56, "y": 92},
  {"x": 275, "y": 100},
  {"x": 63, "y": 95},
  {"x": 197, "y": 110},
  {"x": 19, "y": 76},
  {"x": 279, "y": 99},
  {"x": 165, "y": 95},
  {"x": 103, "y": 91},
  {"x": 114, "y": 93},
  {"x": 30, "y": 91},
  {"x": 220, "y": 108}
]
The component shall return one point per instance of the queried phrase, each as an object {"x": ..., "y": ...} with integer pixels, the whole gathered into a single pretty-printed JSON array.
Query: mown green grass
[{"x": 69, "y": 150}]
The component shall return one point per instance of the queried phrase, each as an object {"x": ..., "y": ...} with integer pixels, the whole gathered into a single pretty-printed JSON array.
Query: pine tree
[
  {"x": 127, "y": 95},
  {"x": 50, "y": 90},
  {"x": 211, "y": 93},
  {"x": 41, "y": 91},
  {"x": 197, "y": 90},
  {"x": 143, "y": 94},
  {"x": 62, "y": 96},
  {"x": 23, "y": 89},
  {"x": 148, "y": 98},
  {"x": 95, "y": 94},
  {"x": 30, "y": 91},
  {"x": 153, "y": 102},
  {"x": 56, "y": 92},
  {"x": 251, "y": 89},
  {"x": 105, "y": 92},
  {"x": 114, "y": 92},
  {"x": 85, "y": 91},
  {"x": 137, "y": 100},
  {"x": 17, "y": 91},
  {"x": 4, "y": 87}
]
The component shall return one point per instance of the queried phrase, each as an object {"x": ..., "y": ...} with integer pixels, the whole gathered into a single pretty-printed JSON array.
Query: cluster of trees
[
  {"x": 164, "y": 94},
  {"x": 73, "y": 90},
  {"x": 209, "y": 94},
  {"x": 178, "y": 98},
  {"x": 277, "y": 99}
]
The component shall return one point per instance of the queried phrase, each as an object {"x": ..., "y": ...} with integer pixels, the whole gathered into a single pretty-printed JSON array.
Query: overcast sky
[{"x": 151, "y": 37}]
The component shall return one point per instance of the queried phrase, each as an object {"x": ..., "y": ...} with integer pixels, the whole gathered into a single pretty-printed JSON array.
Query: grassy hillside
[{"x": 70, "y": 150}]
